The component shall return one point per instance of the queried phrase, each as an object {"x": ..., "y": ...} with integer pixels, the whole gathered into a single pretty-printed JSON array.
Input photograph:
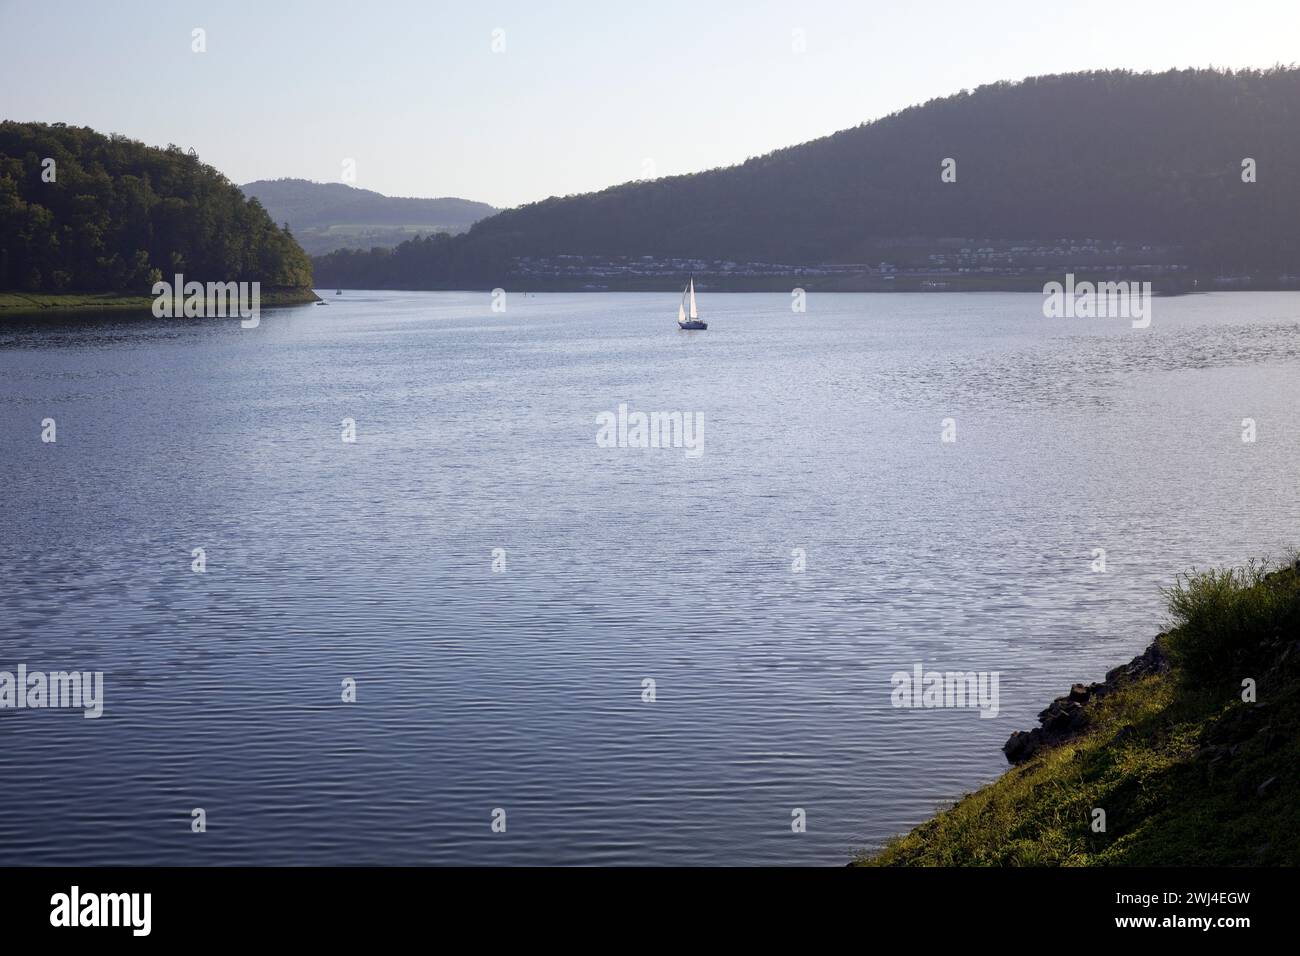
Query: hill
[
  {"x": 1192, "y": 751},
  {"x": 84, "y": 212},
  {"x": 1153, "y": 160},
  {"x": 329, "y": 216}
]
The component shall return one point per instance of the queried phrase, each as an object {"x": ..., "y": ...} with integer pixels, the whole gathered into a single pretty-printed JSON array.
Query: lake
[{"x": 501, "y": 587}]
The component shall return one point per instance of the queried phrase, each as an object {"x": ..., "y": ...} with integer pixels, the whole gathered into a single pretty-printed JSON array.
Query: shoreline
[
  {"x": 786, "y": 289},
  {"x": 810, "y": 284},
  {"x": 1186, "y": 756},
  {"x": 28, "y": 304}
]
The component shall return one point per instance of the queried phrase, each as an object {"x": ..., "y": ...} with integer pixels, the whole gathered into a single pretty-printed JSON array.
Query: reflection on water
[{"x": 522, "y": 689}]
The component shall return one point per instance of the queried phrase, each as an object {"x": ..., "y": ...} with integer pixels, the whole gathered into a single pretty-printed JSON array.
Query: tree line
[
  {"x": 82, "y": 211},
  {"x": 1106, "y": 154}
]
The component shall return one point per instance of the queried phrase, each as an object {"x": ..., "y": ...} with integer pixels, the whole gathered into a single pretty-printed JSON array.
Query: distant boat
[
  {"x": 338, "y": 291},
  {"x": 683, "y": 311}
]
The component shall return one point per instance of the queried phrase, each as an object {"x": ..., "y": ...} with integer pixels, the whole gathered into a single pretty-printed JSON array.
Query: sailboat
[{"x": 694, "y": 321}]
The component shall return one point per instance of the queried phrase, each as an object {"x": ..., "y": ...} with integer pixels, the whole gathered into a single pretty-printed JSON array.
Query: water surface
[{"x": 523, "y": 689}]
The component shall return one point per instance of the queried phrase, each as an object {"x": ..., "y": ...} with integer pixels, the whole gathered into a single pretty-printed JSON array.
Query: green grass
[
  {"x": 1227, "y": 619},
  {"x": 29, "y": 302},
  {"x": 1177, "y": 761},
  {"x": 56, "y": 303}
]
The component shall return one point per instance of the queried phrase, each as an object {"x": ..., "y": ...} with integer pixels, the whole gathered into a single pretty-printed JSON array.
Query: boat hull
[{"x": 692, "y": 325}]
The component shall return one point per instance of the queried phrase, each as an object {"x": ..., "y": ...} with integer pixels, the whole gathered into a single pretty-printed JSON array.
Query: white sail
[
  {"x": 694, "y": 314},
  {"x": 681, "y": 312}
]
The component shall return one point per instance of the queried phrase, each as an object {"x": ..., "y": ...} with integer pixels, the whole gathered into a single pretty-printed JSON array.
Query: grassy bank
[
  {"x": 1186, "y": 771},
  {"x": 62, "y": 303}
]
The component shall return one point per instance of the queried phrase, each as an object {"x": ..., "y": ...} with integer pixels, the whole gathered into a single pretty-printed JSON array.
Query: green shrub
[
  {"x": 1189, "y": 774},
  {"x": 1225, "y": 619}
]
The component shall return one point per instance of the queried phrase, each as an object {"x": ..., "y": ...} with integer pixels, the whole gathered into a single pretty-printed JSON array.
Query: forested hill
[
  {"x": 1104, "y": 154},
  {"x": 114, "y": 215},
  {"x": 328, "y": 216}
]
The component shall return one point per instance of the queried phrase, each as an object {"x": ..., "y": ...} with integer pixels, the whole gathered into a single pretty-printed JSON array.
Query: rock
[
  {"x": 1022, "y": 745},
  {"x": 1066, "y": 716},
  {"x": 1098, "y": 691},
  {"x": 1266, "y": 787},
  {"x": 1151, "y": 661},
  {"x": 1062, "y": 716}
]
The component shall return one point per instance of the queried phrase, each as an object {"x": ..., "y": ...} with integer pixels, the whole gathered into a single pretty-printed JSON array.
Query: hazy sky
[{"x": 584, "y": 95}]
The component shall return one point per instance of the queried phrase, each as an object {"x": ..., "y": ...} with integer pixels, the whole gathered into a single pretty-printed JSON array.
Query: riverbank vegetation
[
  {"x": 58, "y": 303},
  {"x": 1194, "y": 764}
]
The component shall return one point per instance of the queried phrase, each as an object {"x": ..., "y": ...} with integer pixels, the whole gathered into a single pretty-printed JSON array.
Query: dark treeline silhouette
[
  {"x": 1110, "y": 154},
  {"x": 118, "y": 215}
]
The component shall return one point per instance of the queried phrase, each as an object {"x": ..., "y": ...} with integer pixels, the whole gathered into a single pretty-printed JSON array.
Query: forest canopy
[
  {"x": 85, "y": 212},
  {"x": 1110, "y": 154}
]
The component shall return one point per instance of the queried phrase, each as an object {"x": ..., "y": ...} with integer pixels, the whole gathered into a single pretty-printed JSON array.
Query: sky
[{"x": 576, "y": 96}]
